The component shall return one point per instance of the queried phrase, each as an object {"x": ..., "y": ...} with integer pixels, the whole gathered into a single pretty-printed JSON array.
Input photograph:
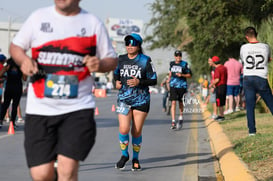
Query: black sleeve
[
  {"x": 151, "y": 77},
  {"x": 116, "y": 73},
  {"x": 147, "y": 82}
]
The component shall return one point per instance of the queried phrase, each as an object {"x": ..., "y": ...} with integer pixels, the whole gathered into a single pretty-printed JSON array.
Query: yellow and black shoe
[
  {"x": 121, "y": 163},
  {"x": 135, "y": 165}
]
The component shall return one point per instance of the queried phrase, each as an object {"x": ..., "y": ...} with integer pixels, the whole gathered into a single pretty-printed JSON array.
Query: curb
[{"x": 232, "y": 167}]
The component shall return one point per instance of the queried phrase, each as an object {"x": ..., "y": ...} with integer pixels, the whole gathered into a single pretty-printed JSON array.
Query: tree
[
  {"x": 166, "y": 22},
  {"x": 205, "y": 28}
]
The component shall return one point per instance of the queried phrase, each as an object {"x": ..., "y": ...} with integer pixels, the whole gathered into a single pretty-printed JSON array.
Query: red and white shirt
[{"x": 58, "y": 44}]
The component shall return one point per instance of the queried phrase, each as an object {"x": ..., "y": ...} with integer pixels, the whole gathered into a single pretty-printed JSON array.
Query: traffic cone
[
  {"x": 11, "y": 128},
  {"x": 113, "y": 108},
  {"x": 96, "y": 111}
]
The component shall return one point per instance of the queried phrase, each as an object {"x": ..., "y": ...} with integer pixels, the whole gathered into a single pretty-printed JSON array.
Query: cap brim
[{"x": 129, "y": 37}]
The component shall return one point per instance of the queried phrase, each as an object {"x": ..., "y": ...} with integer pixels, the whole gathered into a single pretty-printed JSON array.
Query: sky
[{"x": 19, "y": 10}]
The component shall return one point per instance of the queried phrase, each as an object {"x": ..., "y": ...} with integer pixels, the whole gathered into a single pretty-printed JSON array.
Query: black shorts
[
  {"x": 221, "y": 92},
  {"x": 72, "y": 135},
  {"x": 176, "y": 94},
  {"x": 143, "y": 108}
]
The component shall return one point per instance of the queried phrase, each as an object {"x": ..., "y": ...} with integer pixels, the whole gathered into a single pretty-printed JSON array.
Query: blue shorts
[{"x": 233, "y": 90}]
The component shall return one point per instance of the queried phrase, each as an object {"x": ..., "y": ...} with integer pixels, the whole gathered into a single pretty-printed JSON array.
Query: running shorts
[
  {"x": 221, "y": 92},
  {"x": 143, "y": 108},
  {"x": 72, "y": 135},
  {"x": 176, "y": 94}
]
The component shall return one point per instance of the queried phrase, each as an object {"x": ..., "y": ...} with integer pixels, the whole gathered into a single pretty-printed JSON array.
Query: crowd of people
[
  {"x": 225, "y": 89},
  {"x": 237, "y": 85}
]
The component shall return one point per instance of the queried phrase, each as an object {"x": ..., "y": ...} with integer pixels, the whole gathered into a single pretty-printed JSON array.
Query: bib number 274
[{"x": 61, "y": 86}]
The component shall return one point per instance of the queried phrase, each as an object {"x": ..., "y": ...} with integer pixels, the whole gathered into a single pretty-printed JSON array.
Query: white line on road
[{"x": 4, "y": 136}]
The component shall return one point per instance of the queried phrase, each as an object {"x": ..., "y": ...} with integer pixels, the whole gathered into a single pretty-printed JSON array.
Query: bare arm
[
  {"x": 183, "y": 75},
  {"x": 215, "y": 82},
  {"x": 27, "y": 65},
  {"x": 169, "y": 77},
  {"x": 104, "y": 65},
  {"x": 108, "y": 64},
  {"x": 186, "y": 75}
]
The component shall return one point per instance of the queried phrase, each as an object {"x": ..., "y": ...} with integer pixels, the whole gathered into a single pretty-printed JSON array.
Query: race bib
[
  {"x": 123, "y": 108},
  {"x": 61, "y": 86}
]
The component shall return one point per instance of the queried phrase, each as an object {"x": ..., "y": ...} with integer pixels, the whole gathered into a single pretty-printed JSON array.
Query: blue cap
[
  {"x": 135, "y": 36},
  {"x": 2, "y": 57}
]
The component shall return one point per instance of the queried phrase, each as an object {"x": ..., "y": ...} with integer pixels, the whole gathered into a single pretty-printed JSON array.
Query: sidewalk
[{"x": 232, "y": 167}]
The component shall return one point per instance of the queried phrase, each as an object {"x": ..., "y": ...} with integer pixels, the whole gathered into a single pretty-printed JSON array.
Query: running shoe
[
  {"x": 7, "y": 120},
  {"x": 179, "y": 123},
  {"x": 173, "y": 126},
  {"x": 20, "y": 120},
  {"x": 220, "y": 118},
  {"x": 121, "y": 163},
  {"x": 228, "y": 111},
  {"x": 214, "y": 116},
  {"x": 135, "y": 165}
]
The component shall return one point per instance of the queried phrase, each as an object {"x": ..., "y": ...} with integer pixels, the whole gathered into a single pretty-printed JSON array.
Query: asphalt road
[{"x": 165, "y": 154}]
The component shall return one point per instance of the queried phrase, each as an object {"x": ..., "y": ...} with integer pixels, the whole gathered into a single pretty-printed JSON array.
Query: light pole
[{"x": 9, "y": 27}]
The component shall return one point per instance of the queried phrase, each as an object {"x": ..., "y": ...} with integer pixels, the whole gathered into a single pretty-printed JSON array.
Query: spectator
[
  {"x": 242, "y": 94},
  {"x": 166, "y": 88},
  {"x": 205, "y": 86},
  {"x": 220, "y": 83},
  {"x": 109, "y": 86},
  {"x": 212, "y": 96},
  {"x": 3, "y": 59},
  {"x": 255, "y": 57},
  {"x": 234, "y": 70},
  {"x": 68, "y": 44}
]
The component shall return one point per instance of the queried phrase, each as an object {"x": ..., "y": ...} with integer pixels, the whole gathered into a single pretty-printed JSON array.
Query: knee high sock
[
  {"x": 136, "y": 146},
  {"x": 124, "y": 141}
]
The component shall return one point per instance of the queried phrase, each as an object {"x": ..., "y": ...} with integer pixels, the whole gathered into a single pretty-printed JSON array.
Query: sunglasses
[
  {"x": 178, "y": 55},
  {"x": 132, "y": 42}
]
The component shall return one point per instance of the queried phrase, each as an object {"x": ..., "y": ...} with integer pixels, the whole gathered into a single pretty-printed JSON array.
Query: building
[{"x": 7, "y": 31}]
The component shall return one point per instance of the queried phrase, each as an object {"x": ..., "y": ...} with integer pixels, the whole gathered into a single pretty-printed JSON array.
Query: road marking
[
  {"x": 190, "y": 171},
  {"x": 4, "y": 136}
]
